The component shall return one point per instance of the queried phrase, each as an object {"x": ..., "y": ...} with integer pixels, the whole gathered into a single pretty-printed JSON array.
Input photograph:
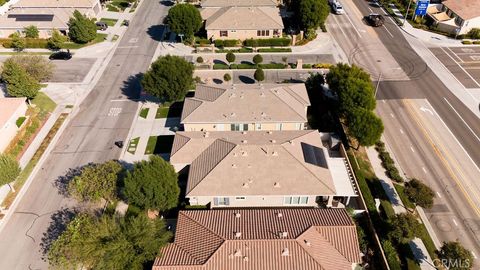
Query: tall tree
[
  {"x": 56, "y": 41},
  {"x": 419, "y": 193},
  {"x": 341, "y": 72},
  {"x": 456, "y": 256},
  {"x": 108, "y": 242},
  {"x": 355, "y": 93},
  {"x": 36, "y": 66},
  {"x": 9, "y": 169},
  {"x": 169, "y": 78},
  {"x": 312, "y": 13},
  {"x": 230, "y": 57},
  {"x": 405, "y": 227},
  {"x": 184, "y": 19},
  {"x": 19, "y": 82},
  {"x": 31, "y": 31},
  {"x": 152, "y": 184},
  {"x": 96, "y": 181},
  {"x": 257, "y": 59},
  {"x": 81, "y": 29},
  {"x": 364, "y": 126}
]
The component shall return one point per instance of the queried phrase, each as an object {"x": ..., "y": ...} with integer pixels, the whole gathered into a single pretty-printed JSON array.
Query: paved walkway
[
  {"x": 144, "y": 128},
  {"x": 429, "y": 37}
]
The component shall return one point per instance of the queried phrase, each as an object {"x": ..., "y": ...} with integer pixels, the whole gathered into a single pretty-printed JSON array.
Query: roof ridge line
[
  {"x": 288, "y": 105},
  {"x": 261, "y": 9},
  {"x": 331, "y": 244}
]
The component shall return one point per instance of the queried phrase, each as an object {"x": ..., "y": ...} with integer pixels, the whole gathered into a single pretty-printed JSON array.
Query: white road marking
[
  {"x": 119, "y": 100},
  {"x": 454, "y": 222},
  {"x": 126, "y": 47},
  {"x": 438, "y": 194},
  {"x": 370, "y": 9},
  {"x": 356, "y": 30},
  {"x": 383, "y": 100},
  {"x": 474, "y": 255},
  {"x": 455, "y": 54},
  {"x": 468, "y": 74},
  {"x": 411, "y": 148},
  {"x": 393, "y": 116},
  {"x": 462, "y": 119},
  {"x": 401, "y": 131},
  {"x": 388, "y": 31},
  {"x": 133, "y": 40},
  {"x": 424, "y": 170},
  {"x": 115, "y": 111},
  {"x": 423, "y": 109},
  {"x": 341, "y": 28}
]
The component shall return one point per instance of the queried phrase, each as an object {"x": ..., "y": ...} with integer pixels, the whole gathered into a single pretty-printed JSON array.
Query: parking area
[
  {"x": 462, "y": 62},
  {"x": 71, "y": 71}
]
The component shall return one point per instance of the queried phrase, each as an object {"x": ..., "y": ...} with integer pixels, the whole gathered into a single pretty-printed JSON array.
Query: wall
[
  {"x": 241, "y": 34},
  {"x": 469, "y": 24},
  {"x": 251, "y": 201},
  {"x": 8, "y": 132},
  {"x": 251, "y": 126}
]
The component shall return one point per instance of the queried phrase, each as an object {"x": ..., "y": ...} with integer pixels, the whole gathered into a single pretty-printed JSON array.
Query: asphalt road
[
  {"x": 357, "y": 40},
  {"x": 71, "y": 71},
  {"x": 104, "y": 117}
]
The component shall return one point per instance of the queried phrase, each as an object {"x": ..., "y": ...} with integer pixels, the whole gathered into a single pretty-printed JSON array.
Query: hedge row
[
  {"x": 388, "y": 163},
  {"x": 267, "y": 42},
  {"x": 36, "y": 43},
  {"x": 249, "y": 66},
  {"x": 227, "y": 43}
]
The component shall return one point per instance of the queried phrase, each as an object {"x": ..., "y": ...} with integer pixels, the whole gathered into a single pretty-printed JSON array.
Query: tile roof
[
  {"x": 55, "y": 3},
  {"x": 248, "y": 239},
  {"x": 247, "y": 104},
  {"x": 466, "y": 9},
  {"x": 245, "y": 18},
  {"x": 254, "y": 162},
  {"x": 45, "y": 18},
  {"x": 8, "y": 106},
  {"x": 238, "y": 3}
]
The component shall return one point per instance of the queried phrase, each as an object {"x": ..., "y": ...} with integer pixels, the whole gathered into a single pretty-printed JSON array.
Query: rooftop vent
[
  {"x": 232, "y": 95},
  {"x": 269, "y": 132},
  {"x": 233, "y": 114},
  {"x": 291, "y": 142},
  {"x": 244, "y": 132},
  {"x": 279, "y": 214},
  {"x": 264, "y": 114},
  {"x": 241, "y": 97},
  {"x": 244, "y": 141},
  {"x": 206, "y": 134},
  {"x": 285, "y": 252},
  {"x": 273, "y": 141},
  {"x": 244, "y": 153},
  {"x": 245, "y": 185},
  {"x": 249, "y": 166},
  {"x": 238, "y": 234},
  {"x": 307, "y": 242},
  {"x": 250, "y": 180},
  {"x": 283, "y": 234},
  {"x": 275, "y": 153},
  {"x": 276, "y": 184},
  {"x": 238, "y": 253},
  {"x": 238, "y": 215},
  {"x": 262, "y": 94},
  {"x": 234, "y": 165},
  {"x": 245, "y": 259}
]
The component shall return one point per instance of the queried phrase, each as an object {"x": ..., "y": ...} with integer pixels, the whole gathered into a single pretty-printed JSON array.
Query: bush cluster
[
  {"x": 267, "y": 42},
  {"x": 227, "y": 43},
  {"x": 37, "y": 43},
  {"x": 388, "y": 163}
]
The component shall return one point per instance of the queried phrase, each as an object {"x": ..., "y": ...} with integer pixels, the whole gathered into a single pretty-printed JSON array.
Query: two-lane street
[
  {"x": 104, "y": 117},
  {"x": 449, "y": 167}
]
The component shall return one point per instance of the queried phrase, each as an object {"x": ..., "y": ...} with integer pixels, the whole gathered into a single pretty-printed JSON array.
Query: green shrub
[
  {"x": 476, "y": 42},
  {"x": 242, "y": 66},
  {"x": 257, "y": 59},
  {"x": 272, "y": 66},
  {"x": 230, "y": 57},
  {"x": 307, "y": 66},
  {"x": 220, "y": 66},
  {"x": 227, "y": 43},
  {"x": 144, "y": 112},
  {"x": 227, "y": 77},
  {"x": 391, "y": 255},
  {"x": 474, "y": 33},
  {"x": 34, "y": 43},
  {"x": 270, "y": 50},
  {"x": 466, "y": 42},
  {"x": 387, "y": 209},
  {"x": 267, "y": 42},
  {"x": 322, "y": 65},
  {"x": 199, "y": 60},
  {"x": 20, "y": 121}
]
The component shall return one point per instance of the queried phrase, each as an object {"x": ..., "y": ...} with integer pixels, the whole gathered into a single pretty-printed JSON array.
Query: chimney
[{"x": 234, "y": 166}]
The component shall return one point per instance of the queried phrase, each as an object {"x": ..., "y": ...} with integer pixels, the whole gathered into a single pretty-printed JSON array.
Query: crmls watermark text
[{"x": 452, "y": 263}]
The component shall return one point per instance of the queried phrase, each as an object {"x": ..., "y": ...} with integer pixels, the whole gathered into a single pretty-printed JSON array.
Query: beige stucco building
[
  {"x": 246, "y": 107},
  {"x": 456, "y": 16},
  {"x": 263, "y": 168},
  {"x": 46, "y": 15},
  {"x": 10, "y": 110},
  {"x": 237, "y": 19}
]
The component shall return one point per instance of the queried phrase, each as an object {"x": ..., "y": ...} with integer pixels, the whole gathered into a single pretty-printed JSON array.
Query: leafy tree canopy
[
  {"x": 9, "y": 169},
  {"x": 108, "y": 242},
  {"x": 230, "y": 57},
  {"x": 455, "y": 252},
  {"x": 31, "y": 31},
  {"x": 56, "y": 41},
  {"x": 257, "y": 59},
  {"x": 355, "y": 93},
  {"x": 405, "y": 227},
  {"x": 364, "y": 126},
  {"x": 184, "y": 19},
  {"x": 96, "y": 181},
  {"x": 419, "y": 193},
  {"x": 312, "y": 13},
  {"x": 38, "y": 67},
  {"x": 18, "y": 43},
  {"x": 152, "y": 184},
  {"x": 169, "y": 78},
  {"x": 81, "y": 29},
  {"x": 19, "y": 82},
  {"x": 259, "y": 75}
]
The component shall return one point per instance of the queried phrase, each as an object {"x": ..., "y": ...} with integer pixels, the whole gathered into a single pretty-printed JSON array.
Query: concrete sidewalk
[{"x": 430, "y": 38}]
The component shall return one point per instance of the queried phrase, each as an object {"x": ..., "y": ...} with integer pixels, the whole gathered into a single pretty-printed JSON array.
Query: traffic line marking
[
  {"x": 388, "y": 31},
  {"x": 411, "y": 148},
  {"x": 462, "y": 119},
  {"x": 474, "y": 255},
  {"x": 454, "y": 222},
  {"x": 401, "y": 131},
  {"x": 468, "y": 74},
  {"x": 438, "y": 194},
  {"x": 393, "y": 116},
  {"x": 115, "y": 111},
  {"x": 424, "y": 170}
]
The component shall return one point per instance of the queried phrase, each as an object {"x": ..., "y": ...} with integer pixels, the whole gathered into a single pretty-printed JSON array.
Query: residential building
[
  {"x": 46, "y": 15},
  {"x": 237, "y": 19},
  {"x": 264, "y": 169},
  {"x": 11, "y": 109},
  {"x": 455, "y": 16},
  {"x": 246, "y": 107},
  {"x": 262, "y": 239}
]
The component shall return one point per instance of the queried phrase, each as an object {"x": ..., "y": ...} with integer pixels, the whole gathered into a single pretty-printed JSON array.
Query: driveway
[{"x": 73, "y": 70}]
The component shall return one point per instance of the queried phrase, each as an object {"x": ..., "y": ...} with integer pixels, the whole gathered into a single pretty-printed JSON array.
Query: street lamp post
[
  {"x": 406, "y": 13},
  {"x": 378, "y": 84}
]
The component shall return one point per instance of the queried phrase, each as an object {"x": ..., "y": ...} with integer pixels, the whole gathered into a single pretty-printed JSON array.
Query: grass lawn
[
  {"x": 71, "y": 45},
  {"x": 151, "y": 144},
  {"x": 132, "y": 145},
  {"x": 118, "y": 5},
  {"x": 43, "y": 102},
  {"x": 144, "y": 112},
  {"x": 109, "y": 22},
  {"x": 162, "y": 112},
  {"x": 401, "y": 193}
]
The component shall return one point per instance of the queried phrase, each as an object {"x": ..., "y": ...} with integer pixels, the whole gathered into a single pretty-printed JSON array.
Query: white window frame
[{"x": 295, "y": 200}]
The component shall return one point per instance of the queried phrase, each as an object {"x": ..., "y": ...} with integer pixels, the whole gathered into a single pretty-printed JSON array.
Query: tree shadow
[
  {"x": 167, "y": 3},
  {"x": 132, "y": 87},
  {"x": 246, "y": 79},
  {"x": 217, "y": 81},
  {"x": 61, "y": 183},
  {"x": 156, "y": 32},
  {"x": 58, "y": 224},
  {"x": 246, "y": 62},
  {"x": 218, "y": 61}
]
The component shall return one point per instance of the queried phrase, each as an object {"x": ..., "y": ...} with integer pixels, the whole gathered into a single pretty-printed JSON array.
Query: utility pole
[
  {"x": 378, "y": 84},
  {"x": 406, "y": 13}
]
